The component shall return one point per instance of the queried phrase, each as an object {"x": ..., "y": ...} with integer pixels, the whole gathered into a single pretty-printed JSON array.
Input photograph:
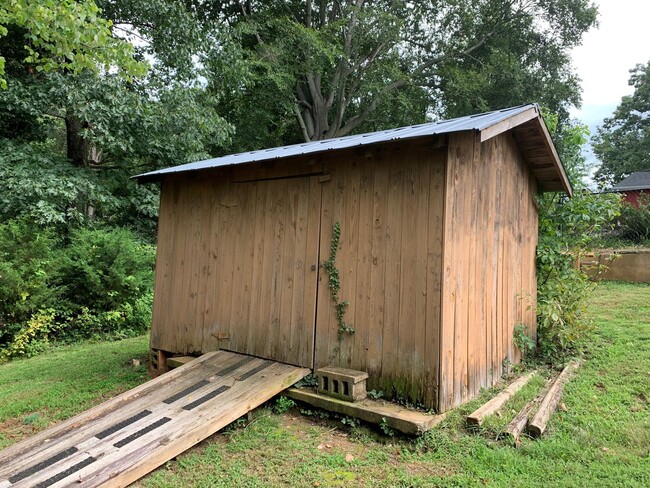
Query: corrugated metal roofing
[
  {"x": 636, "y": 181},
  {"x": 472, "y": 122}
]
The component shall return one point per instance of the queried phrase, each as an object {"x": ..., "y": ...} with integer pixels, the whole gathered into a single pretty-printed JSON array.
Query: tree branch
[
  {"x": 301, "y": 123},
  {"x": 372, "y": 106}
]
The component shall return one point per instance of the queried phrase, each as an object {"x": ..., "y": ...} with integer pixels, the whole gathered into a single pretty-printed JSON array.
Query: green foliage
[
  {"x": 621, "y": 144},
  {"x": 335, "y": 283},
  {"x": 32, "y": 337},
  {"x": 283, "y": 404},
  {"x": 309, "y": 380},
  {"x": 316, "y": 70},
  {"x": 39, "y": 185},
  {"x": 376, "y": 394},
  {"x": 104, "y": 268},
  {"x": 634, "y": 222},
  {"x": 350, "y": 422},
  {"x": 383, "y": 425},
  {"x": 94, "y": 283},
  {"x": 28, "y": 276},
  {"x": 66, "y": 35},
  {"x": 522, "y": 339},
  {"x": 567, "y": 227}
]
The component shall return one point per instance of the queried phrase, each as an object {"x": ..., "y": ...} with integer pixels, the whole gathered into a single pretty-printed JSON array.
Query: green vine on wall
[{"x": 335, "y": 283}]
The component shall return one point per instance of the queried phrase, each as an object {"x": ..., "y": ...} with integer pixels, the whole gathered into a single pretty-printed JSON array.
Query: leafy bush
[
  {"x": 96, "y": 283},
  {"x": 567, "y": 227},
  {"x": 634, "y": 222},
  {"x": 33, "y": 337},
  {"x": 28, "y": 275},
  {"x": 105, "y": 268}
]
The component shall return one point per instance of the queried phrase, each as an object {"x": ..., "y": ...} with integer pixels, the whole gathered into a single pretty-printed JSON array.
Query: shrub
[
  {"x": 104, "y": 269},
  {"x": 28, "y": 262},
  {"x": 634, "y": 222},
  {"x": 567, "y": 228},
  {"x": 33, "y": 337},
  {"x": 96, "y": 284}
]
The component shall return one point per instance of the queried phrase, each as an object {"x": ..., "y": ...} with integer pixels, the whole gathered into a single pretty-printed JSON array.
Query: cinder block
[{"x": 346, "y": 384}]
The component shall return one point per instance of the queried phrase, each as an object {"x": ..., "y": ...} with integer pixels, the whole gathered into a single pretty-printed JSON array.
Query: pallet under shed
[{"x": 121, "y": 440}]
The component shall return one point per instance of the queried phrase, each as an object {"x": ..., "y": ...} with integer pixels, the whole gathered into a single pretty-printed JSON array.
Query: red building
[{"x": 633, "y": 186}]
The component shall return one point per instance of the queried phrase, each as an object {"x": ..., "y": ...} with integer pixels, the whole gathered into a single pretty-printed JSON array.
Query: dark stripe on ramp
[
  {"x": 235, "y": 366},
  {"x": 122, "y": 424},
  {"x": 142, "y": 432},
  {"x": 205, "y": 398},
  {"x": 186, "y": 391},
  {"x": 256, "y": 370},
  {"x": 42, "y": 465},
  {"x": 66, "y": 473}
]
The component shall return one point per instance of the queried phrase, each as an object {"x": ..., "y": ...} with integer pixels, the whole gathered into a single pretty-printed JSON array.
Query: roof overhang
[{"x": 537, "y": 147}]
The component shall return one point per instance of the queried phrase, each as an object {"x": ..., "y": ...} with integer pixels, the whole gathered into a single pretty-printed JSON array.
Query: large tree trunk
[
  {"x": 78, "y": 150},
  {"x": 81, "y": 153}
]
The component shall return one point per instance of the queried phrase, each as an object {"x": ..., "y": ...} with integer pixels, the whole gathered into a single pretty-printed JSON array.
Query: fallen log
[
  {"x": 477, "y": 417},
  {"x": 519, "y": 423},
  {"x": 537, "y": 425}
]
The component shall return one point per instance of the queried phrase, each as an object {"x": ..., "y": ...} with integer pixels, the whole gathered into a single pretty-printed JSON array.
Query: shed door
[{"x": 264, "y": 265}]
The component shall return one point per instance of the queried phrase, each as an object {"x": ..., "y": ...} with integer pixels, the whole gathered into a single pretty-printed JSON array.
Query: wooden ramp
[{"x": 121, "y": 440}]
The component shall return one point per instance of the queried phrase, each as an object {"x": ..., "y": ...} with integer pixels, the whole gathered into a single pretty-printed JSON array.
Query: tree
[
  {"x": 106, "y": 124},
  {"x": 65, "y": 35},
  {"x": 332, "y": 66},
  {"x": 622, "y": 144}
]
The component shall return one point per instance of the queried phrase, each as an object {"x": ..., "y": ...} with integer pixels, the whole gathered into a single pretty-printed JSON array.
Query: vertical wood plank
[
  {"x": 362, "y": 322},
  {"x": 434, "y": 274},
  {"x": 164, "y": 256},
  {"x": 408, "y": 221},
  {"x": 393, "y": 262},
  {"x": 377, "y": 300}
]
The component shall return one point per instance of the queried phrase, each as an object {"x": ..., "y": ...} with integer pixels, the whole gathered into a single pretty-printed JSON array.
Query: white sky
[{"x": 621, "y": 41}]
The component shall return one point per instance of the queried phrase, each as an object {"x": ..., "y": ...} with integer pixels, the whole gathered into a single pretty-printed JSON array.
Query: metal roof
[
  {"x": 636, "y": 181},
  {"x": 477, "y": 122}
]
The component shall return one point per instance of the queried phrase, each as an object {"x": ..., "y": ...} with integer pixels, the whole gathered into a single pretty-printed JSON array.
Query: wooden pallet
[{"x": 121, "y": 440}]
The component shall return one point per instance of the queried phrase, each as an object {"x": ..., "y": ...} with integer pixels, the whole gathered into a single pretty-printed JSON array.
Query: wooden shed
[{"x": 436, "y": 257}]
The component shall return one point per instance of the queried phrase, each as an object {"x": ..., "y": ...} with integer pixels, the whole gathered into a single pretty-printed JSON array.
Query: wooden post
[
  {"x": 537, "y": 425},
  {"x": 477, "y": 417}
]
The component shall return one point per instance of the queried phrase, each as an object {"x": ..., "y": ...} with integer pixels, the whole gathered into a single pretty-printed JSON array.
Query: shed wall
[
  {"x": 389, "y": 203},
  {"x": 489, "y": 280},
  {"x": 234, "y": 264}
]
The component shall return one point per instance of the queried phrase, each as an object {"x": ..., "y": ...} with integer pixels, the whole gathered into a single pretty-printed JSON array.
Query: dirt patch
[{"x": 15, "y": 430}]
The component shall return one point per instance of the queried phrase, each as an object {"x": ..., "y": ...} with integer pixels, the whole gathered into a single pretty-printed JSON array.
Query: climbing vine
[{"x": 335, "y": 283}]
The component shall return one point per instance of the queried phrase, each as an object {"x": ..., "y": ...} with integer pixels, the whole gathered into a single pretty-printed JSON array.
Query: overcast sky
[{"x": 621, "y": 41}]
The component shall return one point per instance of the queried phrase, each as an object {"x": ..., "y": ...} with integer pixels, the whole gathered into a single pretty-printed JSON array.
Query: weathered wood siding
[
  {"x": 234, "y": 267},
  {"x": 389, "y": 203},
  {"x": 489, "y": 282},
  {"x": 436, "y": 260}
]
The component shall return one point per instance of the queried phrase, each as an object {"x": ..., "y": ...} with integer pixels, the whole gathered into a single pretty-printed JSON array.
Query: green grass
[
  {"x": 58, "y": 384},
  {"x": 603, "y": 438}
]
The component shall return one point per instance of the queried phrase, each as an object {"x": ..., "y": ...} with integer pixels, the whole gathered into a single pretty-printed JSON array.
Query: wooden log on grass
[
  {"x": 537, "y": 425},
  {"x": 477, "y": 417},
  {"x": 519, "y": 423}
]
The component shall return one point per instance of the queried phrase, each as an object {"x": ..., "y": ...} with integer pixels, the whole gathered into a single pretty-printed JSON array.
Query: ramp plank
[{"x": 125, "y": 438}]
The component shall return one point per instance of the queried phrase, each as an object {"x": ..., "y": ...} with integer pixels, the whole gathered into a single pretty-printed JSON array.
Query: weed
[
  {"x": 283, "y": 404},
  {"x": 350, "y": 422},
  {"x": 522, "y": 340},
  {"x": 309, "y": 380},
  {"x": 385, "y": 428},
  {"x": 376, "y": 395}
]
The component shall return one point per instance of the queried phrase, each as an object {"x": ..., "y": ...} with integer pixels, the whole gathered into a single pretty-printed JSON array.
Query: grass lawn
[{"x": 602, "y": 439}]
